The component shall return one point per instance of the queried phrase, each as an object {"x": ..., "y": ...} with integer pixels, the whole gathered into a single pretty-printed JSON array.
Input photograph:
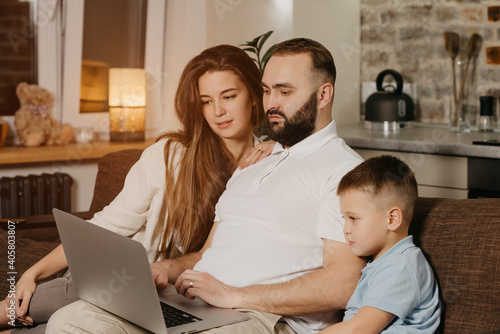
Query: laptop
[{"x": 113, "y": 272}]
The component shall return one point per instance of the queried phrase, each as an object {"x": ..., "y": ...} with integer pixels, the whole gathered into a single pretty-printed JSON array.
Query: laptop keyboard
[{"x": 175, "y": 317}]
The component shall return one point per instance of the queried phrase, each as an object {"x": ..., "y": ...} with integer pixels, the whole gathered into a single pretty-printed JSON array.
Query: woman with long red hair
[{"x": 169, "y": 196}]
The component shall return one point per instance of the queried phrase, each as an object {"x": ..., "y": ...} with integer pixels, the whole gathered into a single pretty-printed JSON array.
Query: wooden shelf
[{"x": 10, "y": 155}]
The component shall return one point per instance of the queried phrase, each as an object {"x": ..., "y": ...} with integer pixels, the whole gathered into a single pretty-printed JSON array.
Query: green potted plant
[{"x": 255, "y": 46}]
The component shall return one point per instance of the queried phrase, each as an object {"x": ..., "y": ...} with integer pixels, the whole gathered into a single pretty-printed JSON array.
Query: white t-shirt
[{"x": 274, "y": 214}]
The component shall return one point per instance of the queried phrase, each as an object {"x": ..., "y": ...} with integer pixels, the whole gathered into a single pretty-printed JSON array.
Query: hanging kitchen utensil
[
  {"x": 474, "y": 43},
  {"x": 452, "y": 45}
]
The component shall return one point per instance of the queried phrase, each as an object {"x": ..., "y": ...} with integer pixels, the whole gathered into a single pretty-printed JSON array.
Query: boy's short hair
[{"x": 385, "y": 176}]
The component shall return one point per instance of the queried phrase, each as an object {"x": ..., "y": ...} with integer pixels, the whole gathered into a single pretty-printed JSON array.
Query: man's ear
[
  {"x": 395, "y": 219},
  {"x": 325, "y": 94}
]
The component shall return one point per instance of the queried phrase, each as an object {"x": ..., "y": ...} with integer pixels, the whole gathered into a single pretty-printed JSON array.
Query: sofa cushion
[
  {"x": 112, "y": 170},
  {"x": 461, "y": 239}
]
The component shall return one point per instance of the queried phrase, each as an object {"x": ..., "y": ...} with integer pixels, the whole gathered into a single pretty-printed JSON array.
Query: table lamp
[{"x": 127, "y": 104}]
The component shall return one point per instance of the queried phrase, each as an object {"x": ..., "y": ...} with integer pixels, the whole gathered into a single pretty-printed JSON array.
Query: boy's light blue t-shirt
[{"x": 400, "y": 282}]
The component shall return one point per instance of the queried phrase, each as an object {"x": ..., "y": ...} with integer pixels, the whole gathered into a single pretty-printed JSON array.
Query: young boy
[{"x": 397, "y": 292}]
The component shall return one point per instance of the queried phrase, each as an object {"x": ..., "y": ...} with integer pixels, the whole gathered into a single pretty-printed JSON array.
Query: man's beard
[{"x": 298, "y": 127}]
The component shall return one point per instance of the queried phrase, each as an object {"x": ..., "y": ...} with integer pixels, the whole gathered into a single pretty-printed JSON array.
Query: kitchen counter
[{"x": 428, "y": 139}]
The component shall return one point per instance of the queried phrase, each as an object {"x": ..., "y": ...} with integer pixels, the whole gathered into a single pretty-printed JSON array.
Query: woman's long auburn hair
[{"x": 205, "y": 163}]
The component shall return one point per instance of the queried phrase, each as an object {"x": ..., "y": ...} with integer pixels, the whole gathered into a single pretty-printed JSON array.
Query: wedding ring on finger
[{"x": 191, "y": 284}]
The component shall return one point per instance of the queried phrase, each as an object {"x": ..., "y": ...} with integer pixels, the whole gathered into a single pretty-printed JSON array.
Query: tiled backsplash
[{"x": 407, "y": 36}]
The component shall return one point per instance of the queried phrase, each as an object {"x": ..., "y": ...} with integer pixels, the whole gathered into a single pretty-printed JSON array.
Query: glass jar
[
  {"x": 463, "y": 112},
  {"x": 486, "y": 121}
]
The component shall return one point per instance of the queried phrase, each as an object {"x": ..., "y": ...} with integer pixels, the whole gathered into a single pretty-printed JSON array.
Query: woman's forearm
[{"x": 49, "y": 265}]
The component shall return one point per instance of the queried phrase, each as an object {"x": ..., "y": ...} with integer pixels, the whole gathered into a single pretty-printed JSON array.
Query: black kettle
[{"x": 389, "y": 106}]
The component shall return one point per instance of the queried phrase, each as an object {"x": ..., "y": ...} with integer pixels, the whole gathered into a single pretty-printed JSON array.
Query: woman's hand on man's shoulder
[{"x": 259, "y": 152}]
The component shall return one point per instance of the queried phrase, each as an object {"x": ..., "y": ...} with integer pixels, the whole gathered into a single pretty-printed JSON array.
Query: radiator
[{"x": 22, "y": 196}]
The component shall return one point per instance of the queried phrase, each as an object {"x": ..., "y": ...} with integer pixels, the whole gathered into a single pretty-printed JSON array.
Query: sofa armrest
[
  {"x": 461, "y": 240},
  {"x": 39, "y": 227}
]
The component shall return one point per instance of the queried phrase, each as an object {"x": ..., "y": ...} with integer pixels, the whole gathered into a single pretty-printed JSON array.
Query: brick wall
[
  {"x": 407, "y": 36},
  {"x": 17, "y": 47}
]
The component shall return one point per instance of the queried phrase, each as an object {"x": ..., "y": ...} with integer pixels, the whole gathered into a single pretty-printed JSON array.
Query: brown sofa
[{"x": 461, "y": 239}]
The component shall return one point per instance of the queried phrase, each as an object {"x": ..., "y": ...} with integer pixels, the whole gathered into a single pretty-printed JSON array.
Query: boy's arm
[{"x": 367, "y": 320}]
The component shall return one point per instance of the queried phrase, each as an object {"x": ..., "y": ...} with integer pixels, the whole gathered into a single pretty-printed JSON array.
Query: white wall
[
  {"x": 185, "y": 37},
  {"x": 237, "y": 21},
  {"x": 336, "y": 25}
]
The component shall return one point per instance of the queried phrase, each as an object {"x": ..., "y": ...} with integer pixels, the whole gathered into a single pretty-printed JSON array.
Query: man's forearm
[
  {"x": 325, "y": 289},
  {"x": 315, "y": 292},
  {"x": 178, "y": 265}
]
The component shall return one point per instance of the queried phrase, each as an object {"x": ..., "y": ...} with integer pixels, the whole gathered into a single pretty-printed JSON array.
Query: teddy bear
[{"x": 33, "y": 121}]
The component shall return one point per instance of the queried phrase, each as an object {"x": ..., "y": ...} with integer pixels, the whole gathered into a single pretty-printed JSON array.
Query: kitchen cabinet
[
  {"x": 443, "y": 161},
  {"x": 437, "y": 175}
]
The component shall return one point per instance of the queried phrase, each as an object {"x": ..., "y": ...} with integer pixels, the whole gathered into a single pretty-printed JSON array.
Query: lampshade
[{"x": 127, "y": 103}]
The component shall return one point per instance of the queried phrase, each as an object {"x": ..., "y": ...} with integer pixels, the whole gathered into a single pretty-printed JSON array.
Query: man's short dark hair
[{"x": 321, "y": 58}]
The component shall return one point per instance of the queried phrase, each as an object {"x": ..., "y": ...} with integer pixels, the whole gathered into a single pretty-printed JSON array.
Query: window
[
  {"x": 72, "y": 63},
  {"x": 114, "y": 35},
  {"x": 56, "y": 48},
  {"x": 17, "y": 50}
]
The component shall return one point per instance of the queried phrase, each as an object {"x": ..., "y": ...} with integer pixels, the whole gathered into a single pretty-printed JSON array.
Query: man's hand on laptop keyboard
[{"x": 193, "y": 284}]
